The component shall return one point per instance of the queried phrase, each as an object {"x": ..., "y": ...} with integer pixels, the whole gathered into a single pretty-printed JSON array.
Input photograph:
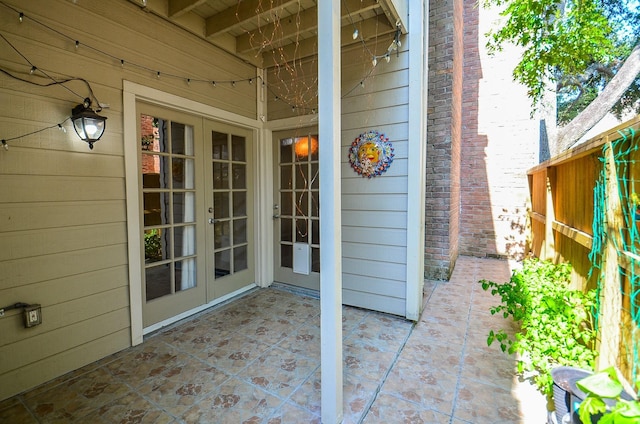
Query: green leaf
[
  {"x": 601, "y": 384},
  {"x": 591, "y": 406},
  {"x": 629, "y": 409}
]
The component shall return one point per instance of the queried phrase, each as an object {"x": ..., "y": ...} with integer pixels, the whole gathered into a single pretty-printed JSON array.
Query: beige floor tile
[
  {"x": 129, "y": 409},
  {"x": 388, "y": 409},
  {"x": 178, "y": 388},
  {"x": 304, "y": 341},
  {"x": 279, "y": 371},
  {"x": 383, "y": 331},
  {"x": 77, "y": 397},
  {"x": 234, "y": 401},
  {"x": 484, "y": 403},
  {"x": 290, "y": 413},
  {"x": 230, "y": 353},
  {"x": 13, "y": 411},
  {"x": 430, "y": 386},
  {"x": 364, "y": 360}
]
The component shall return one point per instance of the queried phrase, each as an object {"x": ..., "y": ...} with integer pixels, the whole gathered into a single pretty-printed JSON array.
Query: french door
[
  {"x": 196, "y": 202},
  {"x": 297, "y": 209}
]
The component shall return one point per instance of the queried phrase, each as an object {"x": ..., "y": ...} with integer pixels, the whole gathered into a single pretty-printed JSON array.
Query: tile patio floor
[{"x": 257, "y": 360}]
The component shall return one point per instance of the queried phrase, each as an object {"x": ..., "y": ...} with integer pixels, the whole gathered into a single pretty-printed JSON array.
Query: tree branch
[{"x": 598, "y": 108}]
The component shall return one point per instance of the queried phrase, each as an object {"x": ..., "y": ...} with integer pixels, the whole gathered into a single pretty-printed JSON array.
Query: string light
[
  {"x": 32, "y": 70},
  {"x": 5, "y": 145},
  {"x": 297, "y": 105}
]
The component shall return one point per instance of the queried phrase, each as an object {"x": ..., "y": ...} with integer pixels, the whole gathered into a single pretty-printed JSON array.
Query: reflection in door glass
[
  {"x": 229, "y": 203},
  {"x": 168, "y": 197}
]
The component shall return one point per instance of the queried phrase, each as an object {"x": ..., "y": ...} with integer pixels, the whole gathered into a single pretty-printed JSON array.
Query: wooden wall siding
[
  {"x": 374, "y": 216},
  {"x": 63, "y": 206}
]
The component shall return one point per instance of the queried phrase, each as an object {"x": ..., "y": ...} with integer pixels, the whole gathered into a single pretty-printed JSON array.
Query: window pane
[
  {"x": 239, "y": 231},
  {"x": 302, "y": 175},
  {"x": 222, "y": 234},
  {"x": 219, "y": 146},
  {"x": 156, "y": 245},
  {"x": 239, "y": 176},
  {"x": 185, "y": 272},
  {"x": 286, "y": 229},
  {"x": 184, "y": 205},
  {"x": 239, "y": 258},
  {"x": 302, "y": 232},
  {"x": 286, "y": 180},
  {"x": 315, "y": 203},
  {"x": 184, "y": 241},
  {"x": 315, "y": 174},
  {"x": 286, "y": 203},
  {"x": 223, "y": 263},
  {"x": 156, "y": 208},
  {"x": 239, "y": 203},
  {"x": 315, "y": 259},
  {"x": 302, "y": 203},
  {"x": 158, "y": 281},
  {"x": 237, "y": 148},
  {"x": 220, "y": 176},
  {"x": 286, "y": 256},
  {"x": 154, "y": 134},
  {"x": 177, "y": 138},
  {"x": 221, "y": 205},
  {"x": 286, "y": 149},
  {"x": 315, "y": 231},
  {"x": 155, "y": 171}
]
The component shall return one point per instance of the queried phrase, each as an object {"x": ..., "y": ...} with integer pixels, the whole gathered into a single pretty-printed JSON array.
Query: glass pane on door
[
  {"x": 299, "y": 216},
  {"x": 169, "y": 201},
  {"x": 229, "y": 211}
]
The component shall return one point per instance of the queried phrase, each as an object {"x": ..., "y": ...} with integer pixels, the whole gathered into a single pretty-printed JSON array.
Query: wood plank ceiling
[{"x": 270, "y": 32}]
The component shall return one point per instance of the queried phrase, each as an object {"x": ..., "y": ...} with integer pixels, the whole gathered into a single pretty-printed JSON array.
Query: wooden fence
[{"x": 564, "y": 200}]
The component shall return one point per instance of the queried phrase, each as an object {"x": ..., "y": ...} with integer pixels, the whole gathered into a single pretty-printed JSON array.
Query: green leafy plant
[
  {"x": 152, "y": 245},
  {"x": 556, "y": 324},
  {"x": 600, "y": 387}
]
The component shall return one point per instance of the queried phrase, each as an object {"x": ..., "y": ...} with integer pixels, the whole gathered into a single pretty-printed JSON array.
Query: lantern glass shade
[
  {"x": 88, "y": 125},
  {"x": 305, "y": 145}
]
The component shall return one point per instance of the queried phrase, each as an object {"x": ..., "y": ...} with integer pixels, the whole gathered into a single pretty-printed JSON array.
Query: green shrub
[{"x": 556, "y": 324}]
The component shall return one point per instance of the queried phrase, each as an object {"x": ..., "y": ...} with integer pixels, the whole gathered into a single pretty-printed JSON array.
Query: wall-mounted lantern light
[{"x": 88, "y": 125}]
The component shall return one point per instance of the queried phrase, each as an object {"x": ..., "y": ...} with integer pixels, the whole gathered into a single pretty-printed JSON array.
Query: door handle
[
  {"x": 276, "y": 216},
  {"x": 213, "y": 221}
]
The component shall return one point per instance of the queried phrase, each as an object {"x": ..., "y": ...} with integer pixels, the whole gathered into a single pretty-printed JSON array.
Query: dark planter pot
[{"x": 564, "y": 379}]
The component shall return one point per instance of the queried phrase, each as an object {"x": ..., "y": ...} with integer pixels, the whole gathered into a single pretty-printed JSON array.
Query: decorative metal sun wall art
[{"x": 371, "y": 154}]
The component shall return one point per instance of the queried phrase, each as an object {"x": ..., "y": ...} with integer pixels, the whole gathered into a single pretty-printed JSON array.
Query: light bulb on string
[
  {"x": 77, "y": 44},
  {"x": 233, "y": 83},
  {"x": 122, "y": 62},
  {"x": 61, "y": 128},
  {"x": 355, "y": 33},
  {"x": 21, "y": 17},
  {"x": 374, "y": 61},
  {"x": 387, "y": 57},
  {"x": 213, "y": 83},
  {"x": 5, "y": 146},
  {"x": 32, "y": 70},
  {"x": 250, "y": 81},
  {"x": 188, "y": 81},
  {"x": 158, "y": 74}
]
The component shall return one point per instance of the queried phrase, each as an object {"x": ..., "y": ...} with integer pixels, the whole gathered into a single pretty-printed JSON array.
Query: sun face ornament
[{"x": 371, "y": 154}]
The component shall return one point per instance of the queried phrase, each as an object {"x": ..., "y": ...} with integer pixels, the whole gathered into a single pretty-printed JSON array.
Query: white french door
[
  {"x": 297, "y": 209},
  {"x": 196, "y": 202}
]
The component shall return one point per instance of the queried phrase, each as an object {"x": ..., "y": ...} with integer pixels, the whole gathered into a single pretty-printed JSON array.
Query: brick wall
[
  {"x": 480, "y": 142},
  {"x": 443, "y": 135},
  {"x": 500, "y": 141}
]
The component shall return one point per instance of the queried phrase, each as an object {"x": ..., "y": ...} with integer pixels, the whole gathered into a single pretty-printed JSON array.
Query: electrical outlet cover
[{"x": 32, "y": 315}]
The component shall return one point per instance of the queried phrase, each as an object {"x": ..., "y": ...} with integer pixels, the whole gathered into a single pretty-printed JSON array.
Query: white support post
[
  {"x": 330, "y": 211},
  {"x": 418, "y": 30}
]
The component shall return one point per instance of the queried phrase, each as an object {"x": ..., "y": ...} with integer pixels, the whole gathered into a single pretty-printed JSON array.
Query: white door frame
[{"x": 133, "y": 92}]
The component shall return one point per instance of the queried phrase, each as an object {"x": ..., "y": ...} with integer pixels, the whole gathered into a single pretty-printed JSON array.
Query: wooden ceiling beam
[
  {"x": 246, "y": 10},
  {"x": 180, "y": 7}
]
